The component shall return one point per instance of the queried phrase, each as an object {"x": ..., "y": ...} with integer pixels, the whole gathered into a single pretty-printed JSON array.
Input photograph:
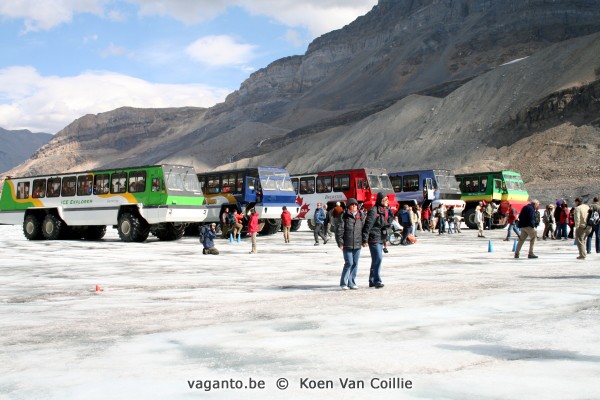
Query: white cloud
[
  {"x": 49, "y": 103},
  {"x": 114, "y": 51},
  {"x": 187, "y": 11},
  {"x": 220, "y": 50},
  {"x": 44, "y": 15},
  {"x": 318, "y": 16}
]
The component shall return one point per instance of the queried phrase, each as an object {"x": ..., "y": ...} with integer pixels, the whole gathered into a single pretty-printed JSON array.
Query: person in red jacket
[
  {"x": 426, "y": 216},
  {"x": 253, "y": 228},
  {"x": 512, "y": 223},
  {"x": 563, "y": 220},
  {"x": 286, "y": 224}
]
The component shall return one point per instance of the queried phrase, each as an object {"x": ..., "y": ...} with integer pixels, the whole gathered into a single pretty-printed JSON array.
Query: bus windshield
[
  {"x": 276, "y": 180},
  {"x": 515, "y": 186},
  {"x": 182, "y": 180},
  {"x": 446, "y": 181},
  {"x": 380, "y": 182}
]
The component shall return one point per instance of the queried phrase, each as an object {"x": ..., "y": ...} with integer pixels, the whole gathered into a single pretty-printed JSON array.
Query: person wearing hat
[
  {"x": 348, "y": 235},
  {"x": 207, "y": 236},
  {"x": 377, "y": 224}
]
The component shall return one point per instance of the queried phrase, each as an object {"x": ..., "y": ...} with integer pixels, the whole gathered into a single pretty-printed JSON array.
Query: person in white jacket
[{"x": 479, "y": 219}]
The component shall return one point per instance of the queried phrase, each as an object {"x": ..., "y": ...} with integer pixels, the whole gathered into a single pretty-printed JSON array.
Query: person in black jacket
[
  {"x": 348, "y": 235},
  {"x": 375, "y": 231},
  {"x": 527, "y": 223}
]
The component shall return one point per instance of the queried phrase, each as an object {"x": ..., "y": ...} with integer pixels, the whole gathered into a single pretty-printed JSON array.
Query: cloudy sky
[{"x": 62, "y": 59}]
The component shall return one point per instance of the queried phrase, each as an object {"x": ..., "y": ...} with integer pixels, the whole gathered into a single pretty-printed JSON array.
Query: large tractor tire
[
  {"x": 32, "y": 228},
  {"x": 271, "y": 227},
  {"x": 168, "y": 231},
  {"x": 469, "y": 216},
  {"x": 296, "y": 225},
  {"x": 132, "y": 228},
  {"x": 94, "y": 232},
  {"x": 52, "y": 227},
  {"x": 311, "y": 224}
]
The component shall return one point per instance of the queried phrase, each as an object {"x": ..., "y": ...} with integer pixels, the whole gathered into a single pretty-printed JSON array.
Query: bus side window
[
  {"x": 295, "y": 184},
  {"x": 323, "y": 184},
  {"x": 118, "y": 182},
  {"x": 483, "y": 185},
  {"x": 307, "y": 185},
  {"x": 396, "y": 183},
  {"x": 101, "y": 185},
  {"x": 84, "y": 185},
  {"x": 239, "y": 183},
  {"x": 39, "y": 188},
  {"x": 341, "y": 183},
  {"x": 23, "y": 190},
  {"x": 137, "y": 181},
  {"x": 156, "y": 184},
  {"x": 53, "y": 187},
  {"x": 69, "y": 185},
  {"x": 411, "y": 183}
]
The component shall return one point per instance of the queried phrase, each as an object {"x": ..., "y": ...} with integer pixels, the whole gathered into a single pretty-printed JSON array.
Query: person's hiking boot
[{"x": 532, "y": 256}]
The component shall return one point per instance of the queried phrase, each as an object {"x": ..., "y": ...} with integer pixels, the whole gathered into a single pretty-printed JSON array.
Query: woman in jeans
[
  {"x": 374, "y": 233},
  {"x": 348, "y": 235}
]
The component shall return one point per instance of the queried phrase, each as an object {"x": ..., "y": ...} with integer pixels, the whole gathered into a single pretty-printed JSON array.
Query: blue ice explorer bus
[
  {"x": 266, "y": 189},
  {"x": 428, "y": 187}
]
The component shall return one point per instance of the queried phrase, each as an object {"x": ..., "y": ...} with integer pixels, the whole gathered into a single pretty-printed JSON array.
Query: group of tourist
[{"x": 356, "y": 228}]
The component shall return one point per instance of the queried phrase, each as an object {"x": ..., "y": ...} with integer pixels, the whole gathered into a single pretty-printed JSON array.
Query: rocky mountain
[
  {"x": 18, "y": 146},
  {"x": 462, "y": 84}
]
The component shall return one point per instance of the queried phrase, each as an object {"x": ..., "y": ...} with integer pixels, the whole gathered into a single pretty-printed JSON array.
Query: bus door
[
  {"x": 251, "y": 189},
  {"x": 428, "y": 190},
  {"x": 361, "y": 189},
  {"x": 499, "y": 192}
]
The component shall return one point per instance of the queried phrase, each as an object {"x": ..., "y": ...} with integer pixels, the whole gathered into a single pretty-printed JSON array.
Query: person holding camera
[{"x": 207, "y": 236}]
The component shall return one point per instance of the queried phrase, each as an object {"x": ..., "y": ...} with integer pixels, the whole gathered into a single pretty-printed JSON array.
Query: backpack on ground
[{"x": 593, "y": 218}]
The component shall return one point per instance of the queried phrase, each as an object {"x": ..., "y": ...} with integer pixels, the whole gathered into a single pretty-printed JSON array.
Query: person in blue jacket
[
  {"x": 207, "y": 236},
  {"x": 319, "y": 219}
]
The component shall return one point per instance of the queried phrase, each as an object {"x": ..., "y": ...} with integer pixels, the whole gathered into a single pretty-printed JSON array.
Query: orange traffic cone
[{"x": 98, "y": 290}]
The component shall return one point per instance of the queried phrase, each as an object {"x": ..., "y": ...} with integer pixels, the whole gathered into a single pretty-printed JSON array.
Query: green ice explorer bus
[{"x": 158, "y": 199}]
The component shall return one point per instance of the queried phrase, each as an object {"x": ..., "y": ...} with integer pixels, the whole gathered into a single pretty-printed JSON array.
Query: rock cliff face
[
  {"x": 410, "y": 84},
  {"x": 18, "y": 146}
]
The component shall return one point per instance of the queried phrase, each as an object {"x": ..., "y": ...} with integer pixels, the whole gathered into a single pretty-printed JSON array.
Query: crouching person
[{"x": 207, "y": 236}]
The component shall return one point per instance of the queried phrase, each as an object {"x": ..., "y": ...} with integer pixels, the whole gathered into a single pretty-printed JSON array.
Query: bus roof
[
  {"x": 434, "y": 170},
  {"x": 506, "y": 171},
  {"x": 337, "y": 171},
  {"x": 227, "y": 171},
  {"x": 96, "y": 171}
]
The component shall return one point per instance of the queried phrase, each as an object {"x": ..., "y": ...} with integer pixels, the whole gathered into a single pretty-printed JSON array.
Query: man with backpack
[
  {"x": 593, "y": 226},
  {"x": 580, "y": 218}
]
